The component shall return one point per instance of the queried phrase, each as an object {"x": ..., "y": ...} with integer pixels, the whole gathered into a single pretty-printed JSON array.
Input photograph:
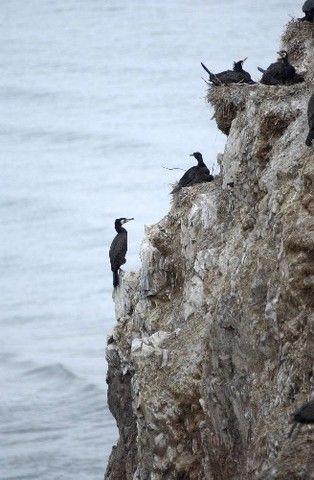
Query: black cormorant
[
  {"x": 280, "y": 72},
  {"x": 197, "y": 174},
  {"x": 237, "y": 75},
  {"x": 304, "y": 414},
  {"x": 310, "y": 116},
  {"x": 308, "y": 9},
  {"x": 118, "y": 248}
]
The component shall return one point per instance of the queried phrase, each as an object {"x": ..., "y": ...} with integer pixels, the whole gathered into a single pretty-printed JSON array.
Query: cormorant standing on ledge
[
  {"x": 280, "y": 72},
  {"x": 118, "y": 248},
  {"x": 308, "y": 9},
  {"x": 197, "y": 174},
  {"x": 304, "y": 414},
  {"x": 310, "y": 116},
  {"x": 237, "y": 75}
]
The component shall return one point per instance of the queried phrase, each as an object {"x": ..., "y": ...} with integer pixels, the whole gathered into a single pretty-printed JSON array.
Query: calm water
[{"x": 96, "y": 97}]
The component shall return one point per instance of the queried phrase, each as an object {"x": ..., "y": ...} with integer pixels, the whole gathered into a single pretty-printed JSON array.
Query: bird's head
[
  {"x": 198, "y": 156},
  {"x": 121, "y": 221},
  {"x": 282, "y": 55},
  {"x": 237, "y": 66}
]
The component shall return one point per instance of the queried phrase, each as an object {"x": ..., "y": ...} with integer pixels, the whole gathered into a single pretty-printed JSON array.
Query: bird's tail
[
  {"x": 261, "y": 69},
  {"x": 212, "y": 77},
  {"x": 206, "y": 69},
  {"x": 115, "y": 278}
]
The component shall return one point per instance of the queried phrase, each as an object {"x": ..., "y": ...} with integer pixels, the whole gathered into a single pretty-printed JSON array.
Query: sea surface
[{"x": 96, "y": 98}]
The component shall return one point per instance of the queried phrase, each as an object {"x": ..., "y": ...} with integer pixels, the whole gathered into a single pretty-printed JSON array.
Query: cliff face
[{"x": 211, "y": 351}]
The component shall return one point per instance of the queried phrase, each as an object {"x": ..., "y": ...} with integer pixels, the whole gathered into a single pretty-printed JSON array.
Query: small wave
[
  {"x": 21, "y": 202},
  {"x": 22, "y": 477},
  {"x": 22, "y": 431},
  {"x": 6, "y": 357},
  {"x": 53, "y": 136},
  {"x": 12, "y": 93},
  {"x": 54, "y": 370}
]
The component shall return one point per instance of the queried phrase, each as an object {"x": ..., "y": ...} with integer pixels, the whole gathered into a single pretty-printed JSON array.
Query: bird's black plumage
[
  {"x": 308, "y": 9},
  {"x": 280, "y": 72},
  {"x": 237, "y": 75},
  {"x": 118, "y": 248},
  {"x": 305, "y": 414},
  {"x": 310, "y": 116},
  {"x": 197, "y": 174}
]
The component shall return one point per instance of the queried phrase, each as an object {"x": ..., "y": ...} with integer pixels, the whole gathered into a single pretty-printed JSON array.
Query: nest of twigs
[{"x": 227, "y": 101}]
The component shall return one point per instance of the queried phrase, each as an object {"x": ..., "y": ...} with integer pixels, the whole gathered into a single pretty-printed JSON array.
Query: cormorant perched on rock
[
  {"x": 304, "y": 414},
  {"x": 310, "y": 116},
  {"x": 237, "y": 75},
  {"x": 280, "y": 72},
  {"x": 197, "y": 174},
  {"x": 118, "y": 248},
  {"x": 308, "y": 9}
]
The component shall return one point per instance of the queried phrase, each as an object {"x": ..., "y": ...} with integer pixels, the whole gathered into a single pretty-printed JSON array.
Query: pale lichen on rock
[{"x": 212, "y": 348}]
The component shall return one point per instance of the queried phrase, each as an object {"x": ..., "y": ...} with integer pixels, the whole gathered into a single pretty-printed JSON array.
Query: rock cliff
[{"x": 212, "y": 348}]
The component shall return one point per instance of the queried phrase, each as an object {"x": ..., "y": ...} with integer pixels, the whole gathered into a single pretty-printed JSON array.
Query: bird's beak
[
  {"x": 191, "y": 154},
  {"x": 128, "y": 220},
  {"x": 244, "y": 59}
]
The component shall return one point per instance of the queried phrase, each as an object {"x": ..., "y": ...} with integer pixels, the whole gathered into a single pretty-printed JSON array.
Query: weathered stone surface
[{"x": 212, "y": 349}]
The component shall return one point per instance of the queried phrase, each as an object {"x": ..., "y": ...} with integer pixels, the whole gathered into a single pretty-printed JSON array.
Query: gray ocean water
[{"x": 96, "y": 96}]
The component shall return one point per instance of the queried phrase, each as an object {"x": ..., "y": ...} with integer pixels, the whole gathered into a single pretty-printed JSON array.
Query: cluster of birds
[
  {"x": 278, "y": 73},
  {"x": 281, "y": 72}
]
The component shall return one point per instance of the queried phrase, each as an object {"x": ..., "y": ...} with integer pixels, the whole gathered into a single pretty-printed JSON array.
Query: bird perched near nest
[
  {"x": 237, "y": 75},
  {"x": 280, "y": 72},
  {"x": 304, "y": 414},
  {"x": 194, "y": 175},
  {"x": 310, "y": 116},
  {"x": 308, "y": 9},
  {"x": 118, "y": 248}
]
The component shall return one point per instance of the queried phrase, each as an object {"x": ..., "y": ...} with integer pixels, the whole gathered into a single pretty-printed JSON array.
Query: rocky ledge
[{"x": 211, "y": 351}]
